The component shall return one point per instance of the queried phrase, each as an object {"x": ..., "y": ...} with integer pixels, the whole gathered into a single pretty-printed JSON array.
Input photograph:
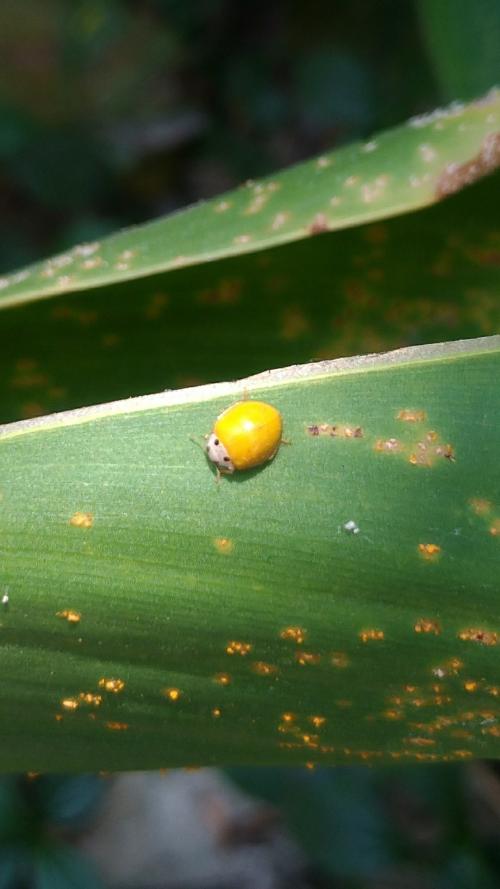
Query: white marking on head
[{"x": 217, "y": 453}]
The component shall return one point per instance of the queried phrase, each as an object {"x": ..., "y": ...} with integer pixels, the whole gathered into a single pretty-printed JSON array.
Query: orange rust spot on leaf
[
  {"x": 173, "y": 694},
  {"x": 371, "y": 635},
  {"x": 475, "y": 634},
  {"x": 73, "y": 617},
  {"x": 456, "y": 176},
  {"x": 471, "y": 686},
  {"x": 226, "y": 292},
  {"x": 340, "y": 659},
  {"x": 241, "y": 648},
  {"x": 223, "y": 545},
  {"x": 310, "y": 740},
  {"x": 392, "y": 714},
  {"x": 223, "y": 678},
  {"x": 293, "y": 324},
  {"x": 317, "y": 721},
  {"x": 216, "y": 712},
  {"x": 411, "y": 416},
  {"x": 117, "y": 726},
  {"x": 495, "y": 528},
  {"x": 264, "y": 669},
  {"x": 296, "y": 634},
  {"x": 112, "y": 685},
  {"x": 429, "y": 551},
  {"x": 424, "y": 625},
  {"x": 307, "y": 658},
  {"x": 70, "y": 704},
  {"x": 82, "y": 520},
  {"x": 90, "y": 699}
]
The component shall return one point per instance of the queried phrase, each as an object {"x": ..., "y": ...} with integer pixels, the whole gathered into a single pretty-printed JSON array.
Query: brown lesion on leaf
[
  {"x": 423, "y": 452},
  {"x": 429, "y": 448},
  {"x": 319, "y": 225},
  {"x": 456, "y": 176},
  {"x": 480, "y": 506},
  {"x": 420, "y": 742},
  {"x": 476, "y": 634},
  {"x": 334, "y": 430}
]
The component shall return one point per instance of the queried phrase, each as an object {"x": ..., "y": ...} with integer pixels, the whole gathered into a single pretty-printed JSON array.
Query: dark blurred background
[{"x": 116, "y": 111}]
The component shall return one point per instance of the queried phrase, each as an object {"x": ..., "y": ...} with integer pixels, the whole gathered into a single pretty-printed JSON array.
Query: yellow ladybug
[{"x": 245, "y": 435}]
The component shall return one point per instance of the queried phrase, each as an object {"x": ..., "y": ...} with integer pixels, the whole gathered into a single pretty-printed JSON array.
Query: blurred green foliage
[{"x": 114, "y": 112}]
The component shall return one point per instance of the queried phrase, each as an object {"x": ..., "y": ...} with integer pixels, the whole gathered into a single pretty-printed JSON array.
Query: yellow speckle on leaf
[
  {"x": 82, "y": 520},
  {"x": 471, "y": 686},
  {"x": 216, "y": 712},
  {"x": 495, "y": 528}
]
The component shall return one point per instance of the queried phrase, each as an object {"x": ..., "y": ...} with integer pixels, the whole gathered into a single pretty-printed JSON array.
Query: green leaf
[
  {"x": 463, "y": 41},
  {"x": 398, "y": 171},
  {"x": 360, "y": 567},
  {"x": 426, "y": 277}
]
